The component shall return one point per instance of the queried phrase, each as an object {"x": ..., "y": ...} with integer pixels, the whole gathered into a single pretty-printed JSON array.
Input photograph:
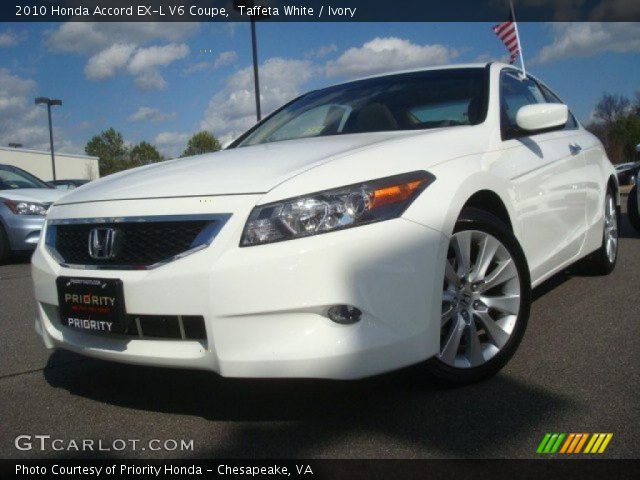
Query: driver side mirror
[{"x": 542, "y": 116}]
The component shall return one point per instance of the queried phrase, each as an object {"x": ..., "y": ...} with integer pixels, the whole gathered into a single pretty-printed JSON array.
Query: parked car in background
[
  {"x": 360, "y": 228},
  {"x": 627, "y": 172},
  {"x": 24, "y": 201},
  {"x": 68, "y": 184},
  {"x": 633, "y": 205}
]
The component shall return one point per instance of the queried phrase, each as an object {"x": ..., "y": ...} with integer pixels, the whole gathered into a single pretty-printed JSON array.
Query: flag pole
[{"x": 513, "y": 16}]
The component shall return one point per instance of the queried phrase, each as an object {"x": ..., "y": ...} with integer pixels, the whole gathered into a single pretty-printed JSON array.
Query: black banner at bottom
[{"x": 322, "y": 469}]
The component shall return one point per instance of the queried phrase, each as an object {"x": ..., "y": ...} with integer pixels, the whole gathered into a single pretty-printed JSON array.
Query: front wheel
[
  {"x": 632, "y": 208},
  {"x": 603, "y": 260},
  {"x": 5, "y": 248},
  {"x": 485, "y": 302}
]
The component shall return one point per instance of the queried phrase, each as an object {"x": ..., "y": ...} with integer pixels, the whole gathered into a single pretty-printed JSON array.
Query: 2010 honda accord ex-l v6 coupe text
[{"x": 358, "y": 229}]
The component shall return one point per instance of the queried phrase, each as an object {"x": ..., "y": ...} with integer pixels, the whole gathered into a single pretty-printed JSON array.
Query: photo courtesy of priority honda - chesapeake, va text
[{"x": 394, "y": 220}]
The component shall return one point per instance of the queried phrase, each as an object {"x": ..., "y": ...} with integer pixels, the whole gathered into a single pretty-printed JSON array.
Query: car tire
[
  {"x": 5, "y": 248},
  {"x": 480, "y": 309},
  {"x": 603, "y": 260},
  {"x": 632, "y": 208}
]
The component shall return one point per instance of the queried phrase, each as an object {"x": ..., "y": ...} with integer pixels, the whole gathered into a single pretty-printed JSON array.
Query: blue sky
[{"x": 164, "y": 82}]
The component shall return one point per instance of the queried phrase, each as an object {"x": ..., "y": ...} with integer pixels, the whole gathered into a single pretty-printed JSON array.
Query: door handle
[{"x": 574, "y": 148}]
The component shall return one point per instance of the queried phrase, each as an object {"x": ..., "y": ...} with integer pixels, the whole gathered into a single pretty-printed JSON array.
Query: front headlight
[
  {"x": 335, "y": 209},
  {"x": 26, "y": 208}
]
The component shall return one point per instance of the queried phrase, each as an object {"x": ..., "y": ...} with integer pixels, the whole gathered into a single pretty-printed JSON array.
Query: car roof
[
  {"x": 414, "y": 70},
  {"x": 425, "y": 69},
  {"x": 452, "y": 66},
  {"x": 7, "y": 166}
]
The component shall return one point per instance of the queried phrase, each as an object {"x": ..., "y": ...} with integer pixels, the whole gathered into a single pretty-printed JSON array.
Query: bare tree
[
  {"x": 611, "y": 108},
  {"x": 617, "y": 125}
]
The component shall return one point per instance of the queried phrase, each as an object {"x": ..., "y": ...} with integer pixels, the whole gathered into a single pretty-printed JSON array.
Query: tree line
[
  {"x": 616, "y": 122},
  {"x": 115, "y": 155}
]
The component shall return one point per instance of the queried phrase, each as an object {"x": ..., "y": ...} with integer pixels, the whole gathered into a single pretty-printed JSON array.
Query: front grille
[
  {"x": 136, "y": 243},
  {"x": 186, "y": 327}
]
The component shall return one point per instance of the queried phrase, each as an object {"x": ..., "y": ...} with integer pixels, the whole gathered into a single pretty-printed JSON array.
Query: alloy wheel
[
  {"x": 481, "y": 299},
  {"x": 611, "y": 229}
]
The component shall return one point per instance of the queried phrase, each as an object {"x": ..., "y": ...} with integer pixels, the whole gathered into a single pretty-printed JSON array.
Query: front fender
[{"x": 439, "y": 206}]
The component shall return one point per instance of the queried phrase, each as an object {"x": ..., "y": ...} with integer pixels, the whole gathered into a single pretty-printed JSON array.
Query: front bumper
[
  {"x": 265, "y": 307},
  {"x": 23, "y": 230}
]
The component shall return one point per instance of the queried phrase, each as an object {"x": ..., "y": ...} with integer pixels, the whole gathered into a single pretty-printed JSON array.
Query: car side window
[
  {"x": 551, "y": 97},
  {"x": 516, "y": 92}
]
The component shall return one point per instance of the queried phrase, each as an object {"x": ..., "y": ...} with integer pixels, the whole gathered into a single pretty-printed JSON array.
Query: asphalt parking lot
[{"x": 577, "y": 370}]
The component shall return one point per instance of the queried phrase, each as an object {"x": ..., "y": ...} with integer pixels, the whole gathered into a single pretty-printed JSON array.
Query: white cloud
[
  {"x": 232, "y": 111},
  {"x": 145, "y": 62},
  {"x": 13, "y": 86},
  {"x": 18, "y": 114},
  {"x": 107, "y": 62},
  {"x": 148, "y": 114},
  {"x": 151, "y": 80},
  {"x": 586, "y": 39},
  {"x": 225, "y": 58},
  {"x": 115, "y": 48},
  {"x": 10, "y": 38},
  {"x": 196, "y": 67},
  {"x": 322, "y": 51},
  {"x": 382, "y": 55},
  {"x": 146, "y": 59},
  {"x": 78, "y": 37},
  {"x": 171, "y": 144},
  {"x": 90, "y": 37},
  {"x": 142, "y": 63},
  {"x": 23, "y": 122}
]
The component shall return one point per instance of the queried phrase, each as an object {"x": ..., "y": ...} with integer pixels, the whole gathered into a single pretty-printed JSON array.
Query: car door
[
  {"x": 548, "y": 180},
  {"x": 594, "y": 168}
]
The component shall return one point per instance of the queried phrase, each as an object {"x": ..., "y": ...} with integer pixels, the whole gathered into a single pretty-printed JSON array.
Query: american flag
[{"x": 509, "y": 36}]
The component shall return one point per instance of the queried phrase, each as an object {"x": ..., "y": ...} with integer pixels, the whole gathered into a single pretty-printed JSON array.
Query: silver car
[
  {"x": 24, "y": 201},
  {"x": 633, "y": 205}
]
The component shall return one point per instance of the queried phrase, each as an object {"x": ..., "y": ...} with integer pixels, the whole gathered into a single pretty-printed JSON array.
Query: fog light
[{"x": 344, "y": 314}]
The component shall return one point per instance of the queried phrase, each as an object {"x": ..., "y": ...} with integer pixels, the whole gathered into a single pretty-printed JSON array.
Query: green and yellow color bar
[{"x": 572, "y": 443}]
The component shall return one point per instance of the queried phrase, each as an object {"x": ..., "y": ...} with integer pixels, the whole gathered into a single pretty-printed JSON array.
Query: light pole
[
  {"x": 256, "y": 80},
  {"x": 49, "y": 102},
  {"x": 254, "y": 48}
]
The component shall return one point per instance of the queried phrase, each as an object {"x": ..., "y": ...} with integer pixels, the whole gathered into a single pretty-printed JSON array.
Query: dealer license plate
[{"x": 92, "y": 304}]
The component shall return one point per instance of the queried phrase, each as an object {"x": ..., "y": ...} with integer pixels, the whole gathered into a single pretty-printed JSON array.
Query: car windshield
[
  {"x": 12, "y": 178},
  {"x": 407, "y": 101}
]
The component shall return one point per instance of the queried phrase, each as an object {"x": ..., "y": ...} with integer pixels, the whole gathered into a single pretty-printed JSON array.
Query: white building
[{"x": 38, "y": 163}]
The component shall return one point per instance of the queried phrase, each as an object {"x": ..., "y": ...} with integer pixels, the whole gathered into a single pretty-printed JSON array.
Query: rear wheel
[
  {"x": 485, "y": 302},
  {"x": 603, "y": 260},
  {"x": 5, "y": 249},
  {"x": 632, "y": 208}
]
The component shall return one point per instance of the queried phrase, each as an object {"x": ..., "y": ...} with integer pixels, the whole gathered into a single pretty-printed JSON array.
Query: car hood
[
  {"x": 245, "y": 170},
  {"x": 39, "y": 195}
]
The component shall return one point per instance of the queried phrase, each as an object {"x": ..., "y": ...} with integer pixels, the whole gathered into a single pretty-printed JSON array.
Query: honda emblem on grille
[{"x": 102, "y": 242}]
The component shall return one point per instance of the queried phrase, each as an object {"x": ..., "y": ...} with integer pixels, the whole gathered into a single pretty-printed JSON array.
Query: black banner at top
[{"x": 317, "y": 10}]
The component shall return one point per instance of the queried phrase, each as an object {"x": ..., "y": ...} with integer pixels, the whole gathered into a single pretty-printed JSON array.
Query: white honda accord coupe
[{"x": 358, "y": 229}]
